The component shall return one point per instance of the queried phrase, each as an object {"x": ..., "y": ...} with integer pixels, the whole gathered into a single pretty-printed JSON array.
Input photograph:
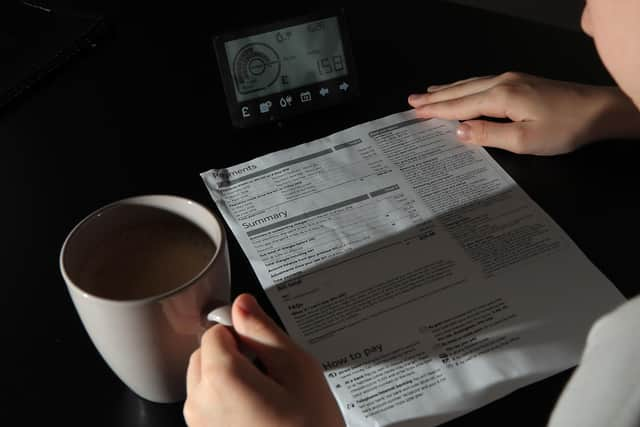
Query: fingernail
[
  {"x": 413, "y": 98},
  {"x": 248, "y": 305},
  {"x": 464, "y": 132},
  {"x": 433, "y": 88}
]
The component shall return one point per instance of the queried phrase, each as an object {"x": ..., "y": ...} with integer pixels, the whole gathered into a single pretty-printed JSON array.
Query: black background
[{"x": 144, "y": 112}]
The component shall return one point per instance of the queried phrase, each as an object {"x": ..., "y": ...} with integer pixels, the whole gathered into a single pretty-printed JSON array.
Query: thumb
[
  {"x": 508, "y": 136},
  {"x": 260, "y": 334}
]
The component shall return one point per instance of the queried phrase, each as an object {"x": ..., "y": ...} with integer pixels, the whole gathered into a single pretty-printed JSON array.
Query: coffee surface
[{"x": 153, "y": 253}]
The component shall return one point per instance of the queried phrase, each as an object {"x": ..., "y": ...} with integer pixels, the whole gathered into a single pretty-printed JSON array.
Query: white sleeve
[{"x": 605, "y": 388}]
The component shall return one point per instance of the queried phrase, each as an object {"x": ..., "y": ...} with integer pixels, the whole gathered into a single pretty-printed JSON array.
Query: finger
[
  {"x": 507, "y": 136},
  {"x": 218, "y": 348},
  {"x": 193, "y": 371},
  {"x": 223, "y": 364},
  {"x": 249, "y": 319},
  {"x": 262, "y": 336},
  {"x": 436, "y": 88},
  {"x": 491, "y": 103},
  {"x": 454, "y": 91}
]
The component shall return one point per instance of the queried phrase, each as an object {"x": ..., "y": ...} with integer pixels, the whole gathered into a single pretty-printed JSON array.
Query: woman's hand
[
  {"x": 224, "y": 388},
  {"x": 546, "y": 116}
]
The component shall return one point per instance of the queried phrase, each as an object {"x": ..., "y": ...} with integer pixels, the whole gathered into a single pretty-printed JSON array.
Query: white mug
[{"x": 147, "y": 341}]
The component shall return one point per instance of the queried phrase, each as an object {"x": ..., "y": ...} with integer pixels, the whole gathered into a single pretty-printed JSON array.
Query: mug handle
[{"x": 221, "y": 315}]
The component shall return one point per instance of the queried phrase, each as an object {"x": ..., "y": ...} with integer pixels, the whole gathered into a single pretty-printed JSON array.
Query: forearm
[{"x": 615, "y": 116}]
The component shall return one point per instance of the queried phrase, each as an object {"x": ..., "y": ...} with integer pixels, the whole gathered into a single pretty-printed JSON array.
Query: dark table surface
[{"x": 144, "y": 112}]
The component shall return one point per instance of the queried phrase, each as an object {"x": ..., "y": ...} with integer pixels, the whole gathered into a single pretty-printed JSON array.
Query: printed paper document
[{"x": 420, "y": 275}]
